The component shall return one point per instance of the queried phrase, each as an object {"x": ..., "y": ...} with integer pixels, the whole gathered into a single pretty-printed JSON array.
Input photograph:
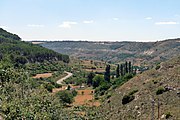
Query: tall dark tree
[
  {"x": 107, "y": 73},
  {"x": 126, "y": 67},
  {"x": 122, "y": 73},
  {"x": 130, "y": 67},
  {"x": 90, "y": 78},
  {"x": 117, "y": 71}
]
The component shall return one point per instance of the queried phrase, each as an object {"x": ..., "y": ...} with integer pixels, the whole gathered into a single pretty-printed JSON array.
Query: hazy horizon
[{"x": 102, "y": 20}]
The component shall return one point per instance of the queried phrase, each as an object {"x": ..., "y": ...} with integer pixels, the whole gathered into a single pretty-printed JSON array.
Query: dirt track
[{"x": 64, "y": 78}]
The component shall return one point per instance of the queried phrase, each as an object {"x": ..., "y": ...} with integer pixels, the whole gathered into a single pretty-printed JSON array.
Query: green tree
[
  {"x": 97, "y": 80},
  {"x": 130, "y": 67},
  {"x": 126, "y": 67},
  {"x": 107, "y": 74},
  {"x": 65, "y": 96},
  {"x": 122, "y": 73},
  {"x": 117, "y": 71},
  {"x": 90, "y": 78}
]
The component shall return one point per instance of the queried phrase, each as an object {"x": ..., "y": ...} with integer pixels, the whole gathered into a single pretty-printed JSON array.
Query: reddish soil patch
[
  {"x": 44, "y": 75},
  {"x": 86, "y": 97}
]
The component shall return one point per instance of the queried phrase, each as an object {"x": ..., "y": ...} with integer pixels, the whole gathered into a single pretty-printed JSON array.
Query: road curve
[{"x": 64, "y": 78}]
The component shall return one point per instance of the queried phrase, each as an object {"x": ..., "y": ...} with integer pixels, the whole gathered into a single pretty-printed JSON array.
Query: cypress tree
[
  {"x": 130, "y": 67},
  {"x": 122, "y": 70},
  {"x": 126, "y": 67},
  {"x": 107, "y": 73},
  {"x": 117, "y": 71}
]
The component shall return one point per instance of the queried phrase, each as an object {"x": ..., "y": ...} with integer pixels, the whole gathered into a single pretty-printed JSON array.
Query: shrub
[
  {"x": 160, "y": 91},
  {"x": 49, "y": 87},
  {"x": 157, "y": 67},
  {"x": 127, "y": 98},
  {"x": 168, "y": 115},
  {"x": 65, "y": 96},
  {"x": 74, "y": 92},
  {"x": 57, "y": 85},
  {"x": 132, "y": 92}
]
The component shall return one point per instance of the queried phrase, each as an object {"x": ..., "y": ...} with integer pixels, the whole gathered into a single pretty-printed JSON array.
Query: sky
[{"x": 93, "y": 20}]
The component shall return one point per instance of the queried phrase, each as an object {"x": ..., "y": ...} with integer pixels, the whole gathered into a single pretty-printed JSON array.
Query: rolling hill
[
  {"x": 17, "y": 51},
  {"x": 139, "y": 52}
]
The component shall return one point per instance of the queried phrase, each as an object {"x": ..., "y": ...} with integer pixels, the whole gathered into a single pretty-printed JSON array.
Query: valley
[{"x": 96, "y": 80}]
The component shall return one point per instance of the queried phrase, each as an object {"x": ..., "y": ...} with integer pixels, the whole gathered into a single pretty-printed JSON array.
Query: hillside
[
  {"x": 17, "y": 51},
  {"x": 161, "y": 85},
  {"x": 139, "y": 52}
]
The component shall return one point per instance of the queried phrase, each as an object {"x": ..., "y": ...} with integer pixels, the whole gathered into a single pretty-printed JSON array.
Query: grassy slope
[{"x": 141, "y": 106}]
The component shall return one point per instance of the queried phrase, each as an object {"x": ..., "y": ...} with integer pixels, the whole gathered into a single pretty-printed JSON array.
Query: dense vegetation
[
  {"x": 21, "y": 96},
  {"x": 20, "y": 53}
]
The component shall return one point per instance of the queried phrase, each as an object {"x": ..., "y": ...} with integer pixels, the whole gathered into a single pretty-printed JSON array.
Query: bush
[
  {"x": 49, "y": 87},
  {"x": 168, "y": 115},
  {"x": 160, "y": 91},
  {"x": 157, "y": 67},
  {"x": 74, "y": 92},
  {"x": 127, "y": 98},
  {"x": 132, "y": 92},
  {"x": 65, "y": 96}
]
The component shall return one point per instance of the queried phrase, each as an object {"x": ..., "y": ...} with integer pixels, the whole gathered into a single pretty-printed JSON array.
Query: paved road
[{"x": 64, "y": 78}]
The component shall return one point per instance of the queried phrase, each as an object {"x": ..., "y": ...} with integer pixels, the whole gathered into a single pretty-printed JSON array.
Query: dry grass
[{"x": 147, "y": 84}]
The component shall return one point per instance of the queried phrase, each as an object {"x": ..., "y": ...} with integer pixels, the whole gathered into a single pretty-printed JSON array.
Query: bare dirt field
[
  {"x": 44, "y": 75},
  {"x": 85, "y": 97}
]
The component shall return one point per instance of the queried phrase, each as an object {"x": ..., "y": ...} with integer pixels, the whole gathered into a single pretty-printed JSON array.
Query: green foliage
[
  {"x": 90, "y": 77},
  {"x": 102, "y": 88},
  {"x": 65, "y": 96},
  {"x": 160, "y": 90},
  {"x": 19, "y": 52},
  {"x": 132, "y": 92},
  {"x": 49, "y": 87},
  {"x": 98, "y": 80},
  {"x": 168, "y": 115},
  {"x": 129, "y": 97},
  {"x": 107, "y": 73},
  {"x": 117, "y": 71},
  {"x": 157, "y": 66}
]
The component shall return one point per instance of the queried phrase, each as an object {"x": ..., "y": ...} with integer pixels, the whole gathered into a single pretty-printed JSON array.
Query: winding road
[{"x": 64, "y": 78}]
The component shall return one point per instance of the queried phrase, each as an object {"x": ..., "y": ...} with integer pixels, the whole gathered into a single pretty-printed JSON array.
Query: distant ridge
[{"x": 118, "y": 51}]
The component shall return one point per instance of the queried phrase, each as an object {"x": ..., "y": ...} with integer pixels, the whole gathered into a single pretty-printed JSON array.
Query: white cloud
[
  {"x": 116, "y": 19},
  {"x": 148, "y": 18},
  {"x": 67, "y": 24},
  {"x": 88, "y": 22},
  {"x": 35, "y": 25},
  {"x": 167, "y": 23},
  {"x": 4, "y": 27}
]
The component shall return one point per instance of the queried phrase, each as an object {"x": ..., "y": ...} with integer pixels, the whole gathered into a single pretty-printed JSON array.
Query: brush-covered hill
[
  {"x": 139, "y": 98},
  {"x": 144, "y": 52},
  {"x": 17, "y": 51}
]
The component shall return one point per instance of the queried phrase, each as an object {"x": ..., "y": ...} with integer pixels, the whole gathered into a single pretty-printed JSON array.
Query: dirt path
[{"x": 64, "y": 78}]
